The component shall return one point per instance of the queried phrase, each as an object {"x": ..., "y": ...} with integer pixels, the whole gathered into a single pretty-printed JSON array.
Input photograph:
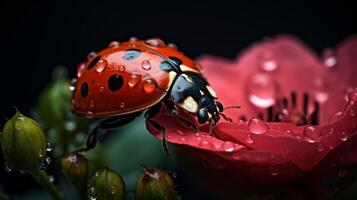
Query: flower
[
  {"x": 298, "y": 115},
  {"x": 23, "y": 143}
]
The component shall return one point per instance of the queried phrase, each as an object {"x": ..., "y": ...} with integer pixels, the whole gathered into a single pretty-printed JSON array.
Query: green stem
[{"x": 43, "y": 179}]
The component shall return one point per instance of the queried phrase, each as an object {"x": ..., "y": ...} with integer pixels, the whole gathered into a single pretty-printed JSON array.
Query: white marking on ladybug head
[
  {"x": 184, "y": 68},
  {"x": 189, "y": 79},
  {"x": 172, "y": 76},
  {"x": 202, "y": 93},
  {"x": 211, "y": 91},
  {"x": 189, "y": 104}
]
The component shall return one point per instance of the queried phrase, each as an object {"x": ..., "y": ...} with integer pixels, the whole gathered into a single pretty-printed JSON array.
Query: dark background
[{"x": 37, "y": 36}]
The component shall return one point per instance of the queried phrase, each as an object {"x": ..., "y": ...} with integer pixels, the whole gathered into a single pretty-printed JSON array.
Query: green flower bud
[
  {"x": 155, "y": 184},
  {"x": 107, "y": 184},
  {"x": 76, "y": 168},
  {"x": 23, "y": 143}
]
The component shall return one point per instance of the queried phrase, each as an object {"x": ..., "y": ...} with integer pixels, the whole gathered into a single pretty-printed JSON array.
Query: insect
[{"x": 125, "y": 79}]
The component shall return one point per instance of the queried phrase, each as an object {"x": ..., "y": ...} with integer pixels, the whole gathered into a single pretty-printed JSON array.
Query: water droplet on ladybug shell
[
  {"x": 80, "y": 69},
  {"x": 172, "y": 45},
  {"x": 133, "y": 39},
  {"x": 149, "y": 86},
  {"x": 114, "y": 44},
  {"x": 122, "y": 105},
  {"x": 72, "y": 85},
  {"x": 134, "y": 80},
  {"x": 101, "y": 65},
  {"x": 146, "y": 65},
  {"x": 155, "y": 42},
  {"x": 91, "y": 55}
]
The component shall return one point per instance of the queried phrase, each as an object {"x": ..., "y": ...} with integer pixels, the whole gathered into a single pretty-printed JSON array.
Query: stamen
[
  {"x": 315, "y": 114},
  {"x": 293, "y": 99},
  {"x": 270, "y": 113}
]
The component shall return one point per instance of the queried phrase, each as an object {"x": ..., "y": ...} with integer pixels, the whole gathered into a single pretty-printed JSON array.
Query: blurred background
[{"x": 37, "y": 36}]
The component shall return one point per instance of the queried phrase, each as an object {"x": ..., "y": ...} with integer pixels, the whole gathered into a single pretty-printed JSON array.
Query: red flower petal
[{"x": 268, "y": 152}]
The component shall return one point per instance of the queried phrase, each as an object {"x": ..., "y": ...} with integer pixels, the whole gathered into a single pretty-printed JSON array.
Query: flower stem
[{"x": 43, "y": 179}]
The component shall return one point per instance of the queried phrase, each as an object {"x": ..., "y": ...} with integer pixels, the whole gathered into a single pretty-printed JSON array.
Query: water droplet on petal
[
  {"x": 274, "y": 170},
  {"x": 335, "y": 118},
  {"x": 149, "y": 86},
  {"x": 320, "y": 147},
  {"x": 352, "y": 96},
  {"x": 228, "y": 146},
  {"x": 262, "y": 91},
  {"x": 257, "y": 126},
  {"x": 91, "y": 55},
  {"x": 269, "y": 65},
  {"x": 134, "y": 79},
  {"x": 249, "y": 139},
  {"x": 146, "y": 65},
  {"x": 114, "y": 44},
  {"x": 183, "y": 139},
  {"x": 329, "y": 58},
  {"x": 206, "y": 144},
  {"x": 344, "y": 136},
  {"x": 311, "y": 134},
  {"x": 198, "y": 138},
  {"x": 101, "y": 65}
]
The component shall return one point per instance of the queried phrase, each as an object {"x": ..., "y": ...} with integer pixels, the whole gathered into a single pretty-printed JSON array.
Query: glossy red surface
[{"x": 145, "y": 84}]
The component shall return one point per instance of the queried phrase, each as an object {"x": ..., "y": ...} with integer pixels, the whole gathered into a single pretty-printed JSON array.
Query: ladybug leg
[
  {"x": 183, "y": 120},
  {"x": 106, "y": 124},
  {"x": 149, "y": 115}
]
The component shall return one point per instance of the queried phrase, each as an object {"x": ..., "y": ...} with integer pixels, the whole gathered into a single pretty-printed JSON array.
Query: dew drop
[
  {"x": 320, "y": 147},
  {"x": 149, "y": 86},
  {"x": 288, "y": 131},
  {"x": 45, "y": 162},
  {"x": 101, "y": 65},
  {"x": 101, "y": 89},
  {"x": 269, "y": 65},
  {"x": 121, "y": 68},
  {"x": 274, "y": 170},
  {"x": 329, "y": 58},
  {"x": 92, "y": 193},
  {"x": 113, "y": 189},
  {"x": 335, "y": 118},
  {"x": 91, "y": 55},
  {"x": 228, "y": 146},
  {"x": 80, "y": 69},
  {"x": 49, "y": 147},
  {"x": 133, "y": 39},
  {"x": 51, "y": 178},
  {"x": 183, "y": 139},
  {"x": 249, "y": 139},
  {"x": 172, "y": 45},
  {"x": 257, "y": 126},
  {"x": 72, "y": 85},
  {"x": 146, "y": 65},
  {"x": 89, "y": 114},
  {"x": 91, "y": 104},
  {"x": 7, "y": 168},
  {"x": 344, "y": 136},
  {"x": 352, "y": 96},
  {"x": 122, "y": 105},
  {"x": 311, "y": 134},
  {"x": 114, "y": 44},
  {"x": 198, "y": 138},
  {"x": 179, "y": 132},
  {"x": 262, "y": 90},
  {"x": 134, "y": 80},
  {"x": 321, "y": 96},
  {"x": 206, "y": 144}
]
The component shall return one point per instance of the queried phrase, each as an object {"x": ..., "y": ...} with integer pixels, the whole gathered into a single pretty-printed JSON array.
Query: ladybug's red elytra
[{"x": 125, "y": 79}]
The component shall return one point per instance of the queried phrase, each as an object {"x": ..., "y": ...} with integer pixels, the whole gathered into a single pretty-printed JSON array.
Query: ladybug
[{"x": 125, "y": 79}]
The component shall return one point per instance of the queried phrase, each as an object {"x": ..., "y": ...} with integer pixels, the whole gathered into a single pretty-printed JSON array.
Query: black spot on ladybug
[
  {"x": 115, "y": 82},
  {"x": 172, "y": 64},
  {"x": 84, "y": 89},
  {"x": 93, "y": 62},
  {"x": 131, "y": 54}
]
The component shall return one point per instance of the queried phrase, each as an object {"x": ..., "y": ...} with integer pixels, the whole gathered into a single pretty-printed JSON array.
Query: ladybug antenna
[
  {"x": 17, "y": 110},
  {"x": 161, "y": 89},
  {"x": 231, "y": 107},
  {"x": 225, "y": 117}
]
